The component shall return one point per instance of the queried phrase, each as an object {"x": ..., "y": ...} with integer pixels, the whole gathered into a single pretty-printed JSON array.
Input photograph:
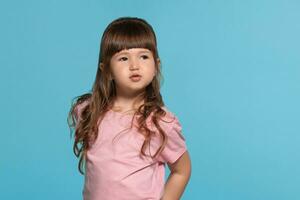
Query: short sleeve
[
  {"x": 176, "y": 144},
  {"x": 78, "y": 110}
]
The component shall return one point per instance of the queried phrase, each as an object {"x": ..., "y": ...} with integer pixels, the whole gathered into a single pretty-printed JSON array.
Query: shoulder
[
  {"x": 79, "y": 107},
  {"x": 170, "y": 120},
  {"x": 169, "y": 115}
]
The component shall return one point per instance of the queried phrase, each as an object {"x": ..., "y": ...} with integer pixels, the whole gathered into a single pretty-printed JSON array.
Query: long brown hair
[{"x": 122, "y": 33}]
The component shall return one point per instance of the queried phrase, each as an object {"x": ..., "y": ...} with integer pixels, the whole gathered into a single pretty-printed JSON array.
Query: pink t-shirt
[{"x": 114, "y": 170}]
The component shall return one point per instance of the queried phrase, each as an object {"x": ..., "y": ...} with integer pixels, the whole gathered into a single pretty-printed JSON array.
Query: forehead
[{"x": 133, "y": 51}]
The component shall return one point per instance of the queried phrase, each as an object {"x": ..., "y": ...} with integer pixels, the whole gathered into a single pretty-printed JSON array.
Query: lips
[{"x": 135, "y": 75}]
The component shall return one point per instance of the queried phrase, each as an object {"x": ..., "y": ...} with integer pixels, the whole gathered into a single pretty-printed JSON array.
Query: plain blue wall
[{"x": 231, "y": 74}]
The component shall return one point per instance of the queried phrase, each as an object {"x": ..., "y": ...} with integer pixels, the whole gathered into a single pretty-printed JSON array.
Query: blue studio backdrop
[{"x": 231, "y": 74}]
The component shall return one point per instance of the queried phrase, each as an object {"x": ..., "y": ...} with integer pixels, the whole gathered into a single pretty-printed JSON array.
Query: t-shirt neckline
[{"x": 122, "y": 114}]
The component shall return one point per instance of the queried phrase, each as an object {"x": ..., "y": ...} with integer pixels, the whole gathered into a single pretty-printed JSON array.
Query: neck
[{"x": 128, "y": 102}]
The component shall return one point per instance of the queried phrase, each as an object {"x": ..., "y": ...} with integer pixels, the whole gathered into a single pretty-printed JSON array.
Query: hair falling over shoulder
[{"x": 122, "y": 33}]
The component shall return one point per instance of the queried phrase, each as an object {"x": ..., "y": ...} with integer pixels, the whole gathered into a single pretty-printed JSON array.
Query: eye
[
  {"x": 122, "y": 59},
  {"x": 144, "y": 56}
]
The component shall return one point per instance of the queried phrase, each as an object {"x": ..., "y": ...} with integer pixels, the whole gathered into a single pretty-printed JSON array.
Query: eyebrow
[{"x": 143, "y": 51}]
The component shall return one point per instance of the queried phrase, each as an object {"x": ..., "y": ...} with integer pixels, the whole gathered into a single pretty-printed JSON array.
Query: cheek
[
  {"x": 120, "y": 73},
  {"x": 118, "y": 70},
  {"x": 153, "y": 68}
]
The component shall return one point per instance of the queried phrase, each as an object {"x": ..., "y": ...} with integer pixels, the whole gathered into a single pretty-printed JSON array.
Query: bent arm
[{"x": 178, "y": 178}]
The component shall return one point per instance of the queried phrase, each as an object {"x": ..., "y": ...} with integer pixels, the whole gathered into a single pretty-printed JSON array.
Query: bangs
[{"x": 128, "y": 36}]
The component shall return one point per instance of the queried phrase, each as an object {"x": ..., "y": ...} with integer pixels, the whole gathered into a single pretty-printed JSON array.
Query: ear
[
  {"x": 158, "y": 64},
  {"x": 111, "y": 77},
  {"x": 158, "y": 61},
  {"x": 101, "y": 66}
]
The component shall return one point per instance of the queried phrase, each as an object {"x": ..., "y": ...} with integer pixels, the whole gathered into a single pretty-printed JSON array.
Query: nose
[{"x": 134, "y": 64}]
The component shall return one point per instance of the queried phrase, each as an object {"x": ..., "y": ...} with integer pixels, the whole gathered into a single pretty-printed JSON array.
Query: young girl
[{"x": 124, "y": 135}]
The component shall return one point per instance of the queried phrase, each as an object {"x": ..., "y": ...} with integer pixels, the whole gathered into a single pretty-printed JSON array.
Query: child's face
[{"x": 129, "y": 62}]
